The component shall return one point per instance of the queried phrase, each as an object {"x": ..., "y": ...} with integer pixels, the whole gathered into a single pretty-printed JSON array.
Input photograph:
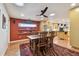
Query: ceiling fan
[{"x": 43, "y": 12}]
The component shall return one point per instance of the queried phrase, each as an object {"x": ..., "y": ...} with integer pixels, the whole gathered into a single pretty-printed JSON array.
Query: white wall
[{"x": 4, "y": 33}]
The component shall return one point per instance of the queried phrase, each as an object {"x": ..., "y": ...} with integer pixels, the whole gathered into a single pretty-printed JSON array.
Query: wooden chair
[
  {"x": 52, "y": 35},
  {"x": 42, "y": 43},
  {"x": 34, "y": 33}
]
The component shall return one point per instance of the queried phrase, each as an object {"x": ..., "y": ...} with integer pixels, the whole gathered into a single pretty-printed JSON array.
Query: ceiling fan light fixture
[{"x": 41, "y": 16}]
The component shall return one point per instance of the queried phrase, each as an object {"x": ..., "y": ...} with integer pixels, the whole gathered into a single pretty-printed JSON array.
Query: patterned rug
[{"x": 59, "y": 51}]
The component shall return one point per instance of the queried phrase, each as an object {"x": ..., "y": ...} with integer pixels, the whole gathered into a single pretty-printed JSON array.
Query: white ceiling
[{"x": 30, "y": 10}]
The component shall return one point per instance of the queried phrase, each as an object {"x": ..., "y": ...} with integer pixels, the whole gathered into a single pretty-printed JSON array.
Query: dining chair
[
  {"x": 34, "y": 33},
  {"x": 42, "y": 43},
  {"x": 52, "y": 35}
]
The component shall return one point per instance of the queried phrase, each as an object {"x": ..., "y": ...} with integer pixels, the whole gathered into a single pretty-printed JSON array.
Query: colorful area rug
[{"x": 60, "y": 51}]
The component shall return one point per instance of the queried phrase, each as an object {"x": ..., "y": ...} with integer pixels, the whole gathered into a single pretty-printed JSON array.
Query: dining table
[{"x": 33, "y": 41}]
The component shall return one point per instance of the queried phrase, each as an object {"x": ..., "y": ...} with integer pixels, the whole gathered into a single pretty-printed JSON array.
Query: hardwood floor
[
  {"x": 55, "y": 50},
  {"x": 14, "y": 50}
]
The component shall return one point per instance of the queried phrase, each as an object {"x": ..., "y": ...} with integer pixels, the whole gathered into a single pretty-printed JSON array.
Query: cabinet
[
  {"x": 63, "y": 35},
  {"x": 19, "y": 33}
]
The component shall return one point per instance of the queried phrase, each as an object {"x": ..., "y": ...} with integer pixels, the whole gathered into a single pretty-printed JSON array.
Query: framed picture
[{"x": 3, "y": 22}]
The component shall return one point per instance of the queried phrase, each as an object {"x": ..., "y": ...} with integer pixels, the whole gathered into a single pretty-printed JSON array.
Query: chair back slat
[{"x": 43, "y": 38}]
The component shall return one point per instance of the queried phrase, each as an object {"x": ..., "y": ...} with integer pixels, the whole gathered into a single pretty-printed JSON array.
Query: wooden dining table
[{"x": 33, "y": 39}]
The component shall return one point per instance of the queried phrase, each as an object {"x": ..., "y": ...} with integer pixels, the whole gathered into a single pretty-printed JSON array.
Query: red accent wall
[{"x": 15, "y": 30}]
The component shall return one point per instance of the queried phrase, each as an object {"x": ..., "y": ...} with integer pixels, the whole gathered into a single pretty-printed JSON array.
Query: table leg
[{"x": 33, "y": 48}]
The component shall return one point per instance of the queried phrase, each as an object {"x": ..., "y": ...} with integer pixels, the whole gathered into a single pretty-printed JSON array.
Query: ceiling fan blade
[
  {"x": 45, "y": 16},
  {"x": 43, "y": 11}
]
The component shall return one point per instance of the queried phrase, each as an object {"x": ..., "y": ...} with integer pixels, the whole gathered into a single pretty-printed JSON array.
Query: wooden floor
[
  {"x": 13, "y": 49},
  {"x": 54, "y": 50}
]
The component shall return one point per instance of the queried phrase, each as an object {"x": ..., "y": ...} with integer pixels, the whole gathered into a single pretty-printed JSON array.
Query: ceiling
[{"x": 30, "y": 10}]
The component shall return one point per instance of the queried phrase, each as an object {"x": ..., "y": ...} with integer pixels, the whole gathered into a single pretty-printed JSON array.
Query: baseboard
[{"x": 18, "y": 40}]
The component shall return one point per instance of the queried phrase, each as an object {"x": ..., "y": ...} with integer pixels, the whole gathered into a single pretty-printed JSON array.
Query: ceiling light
[
  {"x": 52, "y": 14},
  {"x": 19, "y": 4},
  {"x": 41, "y": 16},
  {"x": 73, "y": 4},
  {"x": 22, "y": 14}
]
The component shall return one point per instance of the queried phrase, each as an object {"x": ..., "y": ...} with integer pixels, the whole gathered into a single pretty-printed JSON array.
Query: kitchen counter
[{"x": 63, "y": 34}]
